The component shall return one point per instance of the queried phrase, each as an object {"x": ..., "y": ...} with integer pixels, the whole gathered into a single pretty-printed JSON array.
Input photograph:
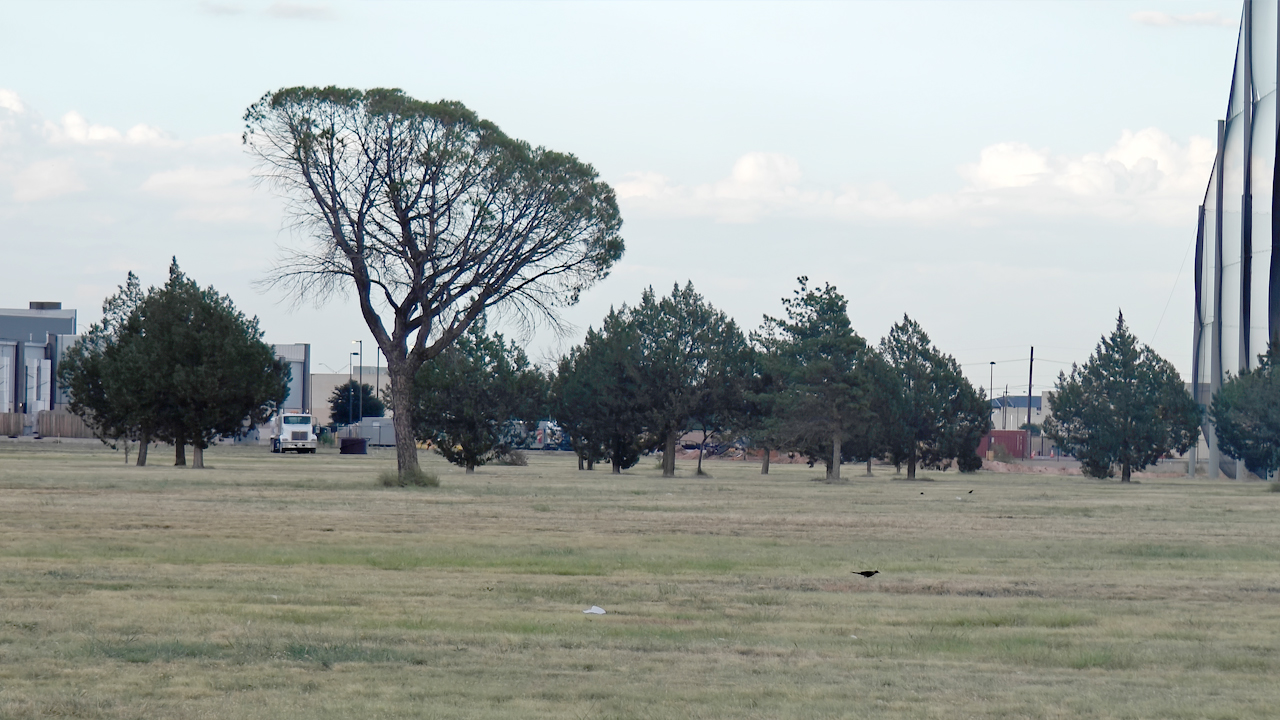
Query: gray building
[{"x": 31, "y": 341}]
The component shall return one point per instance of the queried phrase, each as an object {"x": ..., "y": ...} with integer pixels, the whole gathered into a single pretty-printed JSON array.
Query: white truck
[{"x": 293, "y": 431}]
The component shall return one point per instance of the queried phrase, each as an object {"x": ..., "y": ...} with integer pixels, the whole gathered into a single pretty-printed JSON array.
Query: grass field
[{"x": 295, "y": 586}]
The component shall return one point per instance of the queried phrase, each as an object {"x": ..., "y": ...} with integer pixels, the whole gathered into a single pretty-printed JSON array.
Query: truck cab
[{"x": 293, "y": 431}]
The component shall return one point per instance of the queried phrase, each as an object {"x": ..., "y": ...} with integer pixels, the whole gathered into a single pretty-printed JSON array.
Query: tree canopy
[
  {"x": 431, "y": 215},
  {"x": 930, "y": 414},
  {"x": 598, "y": 396},
  {"x": 353, "y": 398},
  {"x": 106, "y": 386},
  {"x": 1126, "y": 406},
  {"x": 1246, "y": 415},
  {"x": 178, "y": 364},
  {"x": 468, "y": 394},
  {"x": 693, "y": 364},
  {"x": 822, "y": 389}
]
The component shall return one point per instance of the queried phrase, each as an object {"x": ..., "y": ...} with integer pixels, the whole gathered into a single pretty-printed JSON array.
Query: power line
[{"x": 1173, "y": 289}]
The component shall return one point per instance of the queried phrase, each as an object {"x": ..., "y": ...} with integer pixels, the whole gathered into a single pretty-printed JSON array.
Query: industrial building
[{"x": 31, "y": 341}]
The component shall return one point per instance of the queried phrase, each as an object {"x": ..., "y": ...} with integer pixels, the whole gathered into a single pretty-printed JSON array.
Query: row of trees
[
  {"x": 804, "y": 383},
  {"x": 176, "y": 364}
]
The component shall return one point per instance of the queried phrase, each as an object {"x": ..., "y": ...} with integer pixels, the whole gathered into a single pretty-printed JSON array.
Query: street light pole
[
  {"x": 361, "y": 395},
  {"x": 991, "y": 387},
  {"x": 351, "y": 397}
]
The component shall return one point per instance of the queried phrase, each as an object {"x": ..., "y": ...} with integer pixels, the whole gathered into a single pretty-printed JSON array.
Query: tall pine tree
[
  {"x": 822, "y": 395},
  {"x": 931, "y": 415},
  {"x": 1126, "y": 406}
]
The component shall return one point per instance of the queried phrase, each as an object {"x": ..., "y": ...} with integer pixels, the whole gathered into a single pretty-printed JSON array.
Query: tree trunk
[
  {"x": 1124, "y": 472},
  {"x": 180, "y": 452},
  {"x": 197, "y": 455},
  {"x": 833, "y": 473},
  {"x": 669, "y": 455},
  {"x": 764, "y": 464},
  {"x": 142, "y": 451},
  {"x": 401, "y": 374},
  {"x": 471, "y": 469},
  {"x": 126, "y": 452},
  {"x": 868, "y": 467},
  {"x": 911, "y": 467},
  {"x": 591, "y": 463},
  {"x": 701, "y": 446},
  {"x": 579, "y": 462}
]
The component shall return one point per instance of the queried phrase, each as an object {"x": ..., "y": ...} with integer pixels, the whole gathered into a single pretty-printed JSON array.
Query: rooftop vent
[{"x": 46, "y": 306}]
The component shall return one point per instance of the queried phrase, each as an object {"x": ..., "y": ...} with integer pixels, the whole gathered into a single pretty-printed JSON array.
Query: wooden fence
[
  {"x": 47, "y": 424},
  {"x": 61, "y": 424},
  {"x": 11, "y": 424}
]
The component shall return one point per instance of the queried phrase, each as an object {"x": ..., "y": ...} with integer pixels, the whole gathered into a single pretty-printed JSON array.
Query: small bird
[
  {"x": 970, "y": 492},
  {"x": 866, "y": 573}
]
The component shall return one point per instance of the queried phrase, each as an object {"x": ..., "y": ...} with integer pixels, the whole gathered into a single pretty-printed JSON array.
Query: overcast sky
[{"x": 1007, "y": 173}]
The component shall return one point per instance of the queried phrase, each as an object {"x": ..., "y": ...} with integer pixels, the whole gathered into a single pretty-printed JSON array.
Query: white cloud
[
  {"x": 299, "y": 11},
  {"x": 10, "y": 101},
  {"x": 1155, "y": 18},
  {"x": 1145, "y": 175},
  {"x": 46, "y": 179},
  {"x": 217, "y": 194},
  {"x": 74, "y": 128}
]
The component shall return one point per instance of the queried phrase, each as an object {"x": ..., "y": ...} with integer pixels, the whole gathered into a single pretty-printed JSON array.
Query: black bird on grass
[{"x": 866, "y": 573}]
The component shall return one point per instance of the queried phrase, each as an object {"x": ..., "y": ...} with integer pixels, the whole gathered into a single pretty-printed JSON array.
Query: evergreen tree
[
  {"x": 1246, "y": 415},
  {"x": 931, "y": 414},
  {"x": 106, "y": 385},
  {"x": 823, "y": 389},
  {"x": 597, "y": 395},
  {"x": 467, "y": 395},
  {"x": 353, "y": 398},
  {"x": 694, "y": 365},
  {"x": 178, "y": 363},
  {"x": 1126, "y": 406},
  {"x": 210, "y": 373}
]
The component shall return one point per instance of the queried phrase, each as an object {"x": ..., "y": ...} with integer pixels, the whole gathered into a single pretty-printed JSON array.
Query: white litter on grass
[
  {"x": 855, "y": 637},
  {"x": 594, "y": 610}
]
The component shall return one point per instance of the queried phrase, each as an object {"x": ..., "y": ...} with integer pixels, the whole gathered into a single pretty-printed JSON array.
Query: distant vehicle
[{"x": 293, "y": 431}]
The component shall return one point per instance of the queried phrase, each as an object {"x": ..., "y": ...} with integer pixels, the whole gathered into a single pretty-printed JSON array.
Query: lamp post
[
  {"x": 351, "y": 391},
  {"x": 361, "y": 394}
]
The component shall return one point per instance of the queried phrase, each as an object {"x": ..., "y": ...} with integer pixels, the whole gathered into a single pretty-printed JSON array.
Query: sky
[{"x": 1008, "y": 174}]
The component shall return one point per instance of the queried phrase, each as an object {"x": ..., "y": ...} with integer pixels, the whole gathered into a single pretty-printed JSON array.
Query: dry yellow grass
[{"x": 297, "y": 586}]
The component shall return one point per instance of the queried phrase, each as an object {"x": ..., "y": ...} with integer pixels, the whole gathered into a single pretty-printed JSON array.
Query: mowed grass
[{"x": 297, "y": 586}]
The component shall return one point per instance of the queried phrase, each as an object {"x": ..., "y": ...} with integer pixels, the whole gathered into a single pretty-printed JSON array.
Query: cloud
[
  {"x": 1155, "y": 18},
  {"x": 10, "y": 101},
  {"x": 300, "y": 11},
  {"x": 46, "y": 179},
  {"x": 217, "y": 194},
  {"x": 74, "y": 128},
  {"x": 1145, "y": 175}
]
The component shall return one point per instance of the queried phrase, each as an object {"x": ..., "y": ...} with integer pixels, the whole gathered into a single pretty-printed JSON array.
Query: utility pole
[{"x": 1030, "y": 374}]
